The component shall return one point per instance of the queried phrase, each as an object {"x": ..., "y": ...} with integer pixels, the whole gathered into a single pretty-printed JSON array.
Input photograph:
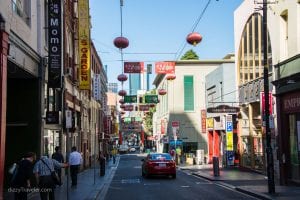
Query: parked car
[{"x": 158, "y": 164}]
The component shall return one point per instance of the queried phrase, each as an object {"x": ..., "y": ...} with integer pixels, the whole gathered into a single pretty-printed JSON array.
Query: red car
[{"x": 158, "y": 164}]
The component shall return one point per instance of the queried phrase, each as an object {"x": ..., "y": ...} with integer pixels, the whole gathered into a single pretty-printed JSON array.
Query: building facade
[
  {"x": 220, "y": 115},
  {"x": 283, "y": 56},
  {"x": 177, "y": 121}
]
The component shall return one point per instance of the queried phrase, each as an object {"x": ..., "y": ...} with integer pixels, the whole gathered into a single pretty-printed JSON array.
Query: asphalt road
[{"x": 127, "y": 183}]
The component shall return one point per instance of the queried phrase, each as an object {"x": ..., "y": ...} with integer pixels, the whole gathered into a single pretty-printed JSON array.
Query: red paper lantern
[
  {"x": 122, "y": 77},
  {"x": 152, "y": 105},
  {"x": 162, "y": 92},
  {"x": 121, "y": 101},
  {"x": 170, "y": 77},
  {"x": 122, "y": 93},
  {"x": 194, "y": 38},
  {"x": 121, "y": 42}
]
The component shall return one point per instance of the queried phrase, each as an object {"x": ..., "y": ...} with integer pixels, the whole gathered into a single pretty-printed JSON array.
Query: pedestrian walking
[
  {"x": 101, "y": 160},
  {"x": 114, "y": 154},
  {"x": 57, "y": 155},
  {"x": 42, "y": 170},
  {"x": 21, "y": 180},
  {"x": 75, "y": 160}
]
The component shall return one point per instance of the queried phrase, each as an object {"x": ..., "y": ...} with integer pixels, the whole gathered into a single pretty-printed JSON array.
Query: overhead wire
[{"x": 193, "y": 29}]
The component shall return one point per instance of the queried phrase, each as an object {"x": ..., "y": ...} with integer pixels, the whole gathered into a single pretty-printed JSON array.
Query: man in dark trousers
[
  {"x": 75, "y": 160},
  {"x": 21, "y": 182},
  {"x": 60, "y": 158}
]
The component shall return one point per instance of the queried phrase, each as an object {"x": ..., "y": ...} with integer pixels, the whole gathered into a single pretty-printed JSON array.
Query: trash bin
[{"x": 216, "y": 166}]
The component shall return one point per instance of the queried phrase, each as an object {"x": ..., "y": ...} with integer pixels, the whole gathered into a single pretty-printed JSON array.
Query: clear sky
[{"x": 157, "y": 30}]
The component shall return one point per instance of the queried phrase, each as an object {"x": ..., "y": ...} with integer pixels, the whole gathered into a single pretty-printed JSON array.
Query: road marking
[
  {"x": 185, "y": 186},
  {"x": 149, "y": 184},
  {"x": 125, "y": 181}
]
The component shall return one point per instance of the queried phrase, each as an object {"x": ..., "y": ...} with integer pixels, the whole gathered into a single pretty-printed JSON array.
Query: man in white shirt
[{"x": 75, "y": 159}]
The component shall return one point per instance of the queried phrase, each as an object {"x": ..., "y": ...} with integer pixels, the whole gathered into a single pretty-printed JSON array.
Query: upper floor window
[
  {"x": 22, "y": 9},
  {"x": 188, "y": 93}
]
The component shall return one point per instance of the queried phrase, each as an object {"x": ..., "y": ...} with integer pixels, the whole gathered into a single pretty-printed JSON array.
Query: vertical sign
[
  {"x": 203, "y": 121},
  {"x": 84, "y": 45},
  {"x": 96, "y": 87},
  {"x": 175, "y": 129},
  {"x": 162, "y": 127},
  {"x": 54, "y": 44},
  {"x": 229, "y": 133}
]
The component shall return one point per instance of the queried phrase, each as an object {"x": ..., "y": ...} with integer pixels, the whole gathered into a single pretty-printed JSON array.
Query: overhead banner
[
  {"x": 54, "y": 44},
  {"x": 144, "y": 107},
  {"x": 165, "y": 67},
  {"x": 133, "y": 67},
  {"x": 84, "y": 45}
]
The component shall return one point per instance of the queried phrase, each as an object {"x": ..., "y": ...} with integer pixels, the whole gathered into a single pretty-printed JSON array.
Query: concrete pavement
[
  {"x": 251, "y": 183},
  {"x": 89, "y": 185}
]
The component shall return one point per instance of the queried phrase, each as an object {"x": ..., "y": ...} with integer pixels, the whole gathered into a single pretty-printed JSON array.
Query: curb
[{"x": 253, "y": 194}]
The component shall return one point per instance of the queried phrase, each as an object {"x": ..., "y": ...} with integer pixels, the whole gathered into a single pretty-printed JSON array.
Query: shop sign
[
  {"x": 130, "y": 98},
  {"x": 133, "y": 67},
  {"x": 203, "y": 121},
  {"x": 151, "y": 99},
  {"x": 229, "y": 133},
  {"x": 223, "y": 109},
  {"x": 210, "y": 123},
  {"x": 291, "y": 102},
  {"x": 52, "y": 117},
  {"x": 84, "y": 45},
  {"x": 54, "y": 44},
  {"x": 96, "y": 87},
  {"x": 144, "y": 107},
  {"x": 165, "y": 67}
]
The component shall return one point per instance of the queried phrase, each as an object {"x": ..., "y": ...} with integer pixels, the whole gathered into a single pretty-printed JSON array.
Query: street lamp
[{"x": 270, "y": 164}]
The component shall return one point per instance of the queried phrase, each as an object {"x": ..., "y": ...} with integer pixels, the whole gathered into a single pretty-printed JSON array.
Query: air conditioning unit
[{"x": 69, "y": 71}]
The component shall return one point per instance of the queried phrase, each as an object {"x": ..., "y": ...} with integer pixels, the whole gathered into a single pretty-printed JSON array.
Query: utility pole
[{"x": 269, "y": 151}]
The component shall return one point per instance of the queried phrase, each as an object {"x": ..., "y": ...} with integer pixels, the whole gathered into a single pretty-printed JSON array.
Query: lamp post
[{"x": 269, "y": 151}]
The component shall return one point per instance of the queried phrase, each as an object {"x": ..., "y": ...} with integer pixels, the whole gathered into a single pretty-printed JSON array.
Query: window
[
  {"x": 188, "y": 93},
  {"x": 22, "y": 9}
]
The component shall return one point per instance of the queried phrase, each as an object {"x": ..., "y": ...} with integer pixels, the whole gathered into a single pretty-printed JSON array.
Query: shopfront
[{"x": 290, "y": 137}]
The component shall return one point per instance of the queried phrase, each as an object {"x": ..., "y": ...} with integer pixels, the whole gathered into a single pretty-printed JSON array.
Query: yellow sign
[
  {"x": 210, "y": 122},
  {"x": 84, "y": 45},
  {"x": 229, "y": 141}
]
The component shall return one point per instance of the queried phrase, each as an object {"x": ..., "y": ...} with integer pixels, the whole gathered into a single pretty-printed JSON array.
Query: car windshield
[{"x": 160, "y": 157}]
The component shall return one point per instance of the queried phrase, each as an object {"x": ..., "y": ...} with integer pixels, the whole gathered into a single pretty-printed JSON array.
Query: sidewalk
[
  {"x": 251, "y": 183},
  {"x": 89, "y": 185}
]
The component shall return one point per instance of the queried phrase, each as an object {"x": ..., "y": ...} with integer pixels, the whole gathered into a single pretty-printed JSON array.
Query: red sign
[
  {"x": 262, "y": 103},
  {"x": 165, "y": 67},
  {"x": 128, "y": 108},
  {"x": 162, "y": 127},
  {"x": 203, "y": 121},
  {"x": 175, "y": 123},
  {"x": 291, "y": 102},
  {"x": 133, "y": 67},
  {"x": 144, "y": 107}
]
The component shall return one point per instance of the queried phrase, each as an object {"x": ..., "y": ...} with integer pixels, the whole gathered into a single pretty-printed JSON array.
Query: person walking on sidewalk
[
  {"x": 60, "y": 158},
  {"x": 21, "y": 182},
  {"x": 75, "y": 160},
  {"x": 101, "y": 160},
  {"x": 42, "y": 170}
]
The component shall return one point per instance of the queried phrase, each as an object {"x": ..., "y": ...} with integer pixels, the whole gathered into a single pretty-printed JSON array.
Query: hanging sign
[
  {"x": 54, "y": 44},
  {"x": 133, "y": 67},
  {"x": 144, "y": 107},
  {"x": 229, "y": 133},
  {"x": 130, "y": 98},
  {"x": 84, "y": 45},
  {"x": 165, "y": 67},
  {"x": 96, "y": 88},
  {"x": 151, "y": 99}
]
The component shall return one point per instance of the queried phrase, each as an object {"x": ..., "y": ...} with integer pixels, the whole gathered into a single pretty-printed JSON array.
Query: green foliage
[{"x": 190, "y": 55}]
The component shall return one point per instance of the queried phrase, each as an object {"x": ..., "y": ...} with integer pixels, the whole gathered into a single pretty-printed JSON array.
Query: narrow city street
[{"x": 128, "y": 183}]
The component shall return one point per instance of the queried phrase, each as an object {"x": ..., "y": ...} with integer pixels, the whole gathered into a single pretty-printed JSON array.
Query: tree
[{"x": 190, "y": 55}]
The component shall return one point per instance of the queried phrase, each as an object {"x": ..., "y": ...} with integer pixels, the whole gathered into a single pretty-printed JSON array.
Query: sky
[{"x": 157, "y": 30}]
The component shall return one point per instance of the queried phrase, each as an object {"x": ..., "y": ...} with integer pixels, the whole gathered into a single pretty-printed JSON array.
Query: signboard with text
[
  {"x": 133, "y": 67},
  {"x": 151, "y": 99},
  {"x": 165, "y": 67}
]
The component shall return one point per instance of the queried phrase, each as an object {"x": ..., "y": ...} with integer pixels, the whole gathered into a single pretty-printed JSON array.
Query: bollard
[{"x": 216, "y": 166}]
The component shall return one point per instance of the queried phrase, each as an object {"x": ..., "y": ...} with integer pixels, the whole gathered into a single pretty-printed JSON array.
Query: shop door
[{"x": 294, "y": 147}]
